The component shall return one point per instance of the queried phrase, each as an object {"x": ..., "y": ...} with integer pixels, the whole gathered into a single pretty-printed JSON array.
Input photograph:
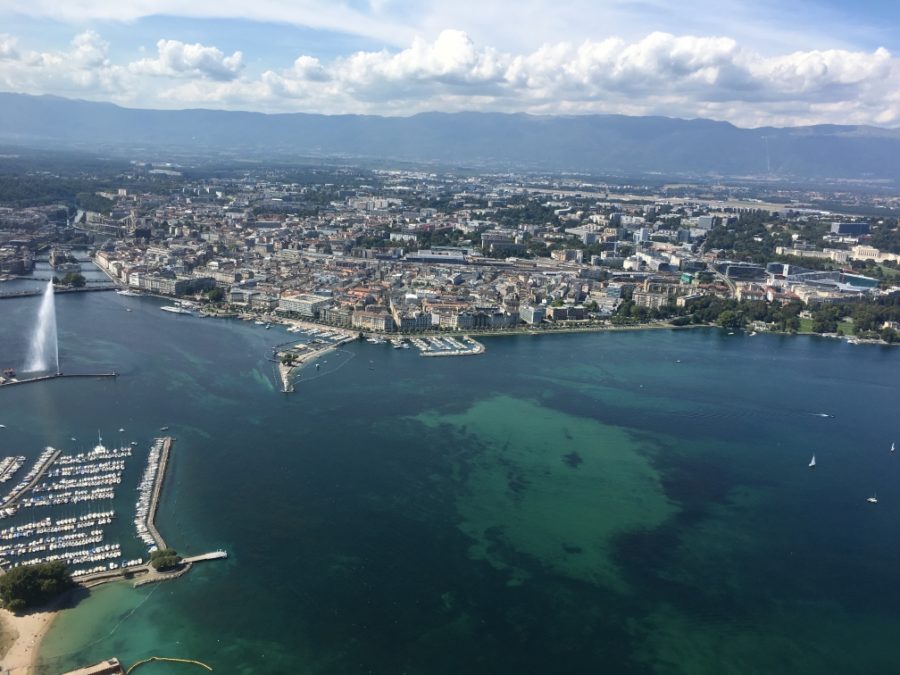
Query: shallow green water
[{"x": 632, "y": 502}]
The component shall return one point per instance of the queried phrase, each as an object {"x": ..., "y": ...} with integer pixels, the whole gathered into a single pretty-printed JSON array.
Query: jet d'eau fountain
[{"x": 43, "y": 353}]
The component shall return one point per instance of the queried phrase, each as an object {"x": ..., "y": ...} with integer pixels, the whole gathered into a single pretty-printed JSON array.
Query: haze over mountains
[{"x": 589, "y": 143}]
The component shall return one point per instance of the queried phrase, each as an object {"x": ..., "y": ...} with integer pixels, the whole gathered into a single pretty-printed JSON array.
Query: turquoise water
[{"x": 628, "y": 502}]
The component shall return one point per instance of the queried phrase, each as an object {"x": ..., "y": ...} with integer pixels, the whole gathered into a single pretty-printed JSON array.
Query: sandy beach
[{"x": 26, "y": 631}]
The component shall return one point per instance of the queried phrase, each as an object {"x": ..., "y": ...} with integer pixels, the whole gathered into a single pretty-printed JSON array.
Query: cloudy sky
[{"x": 750, "y": 62}]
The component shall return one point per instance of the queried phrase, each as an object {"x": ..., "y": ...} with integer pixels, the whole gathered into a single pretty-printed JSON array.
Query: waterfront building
[
  {"x": 532, "y": 315},
  {"x": 307, "y": 305},
  {"x": 373, "y": 319},
  {"x": 337, "y": 316}
]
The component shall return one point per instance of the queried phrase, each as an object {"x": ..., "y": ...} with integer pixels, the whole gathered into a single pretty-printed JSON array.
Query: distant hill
[{"x": 593, "y": 143}]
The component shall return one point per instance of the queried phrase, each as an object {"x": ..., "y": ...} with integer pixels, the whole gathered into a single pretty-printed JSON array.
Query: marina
[
  {"x": 448, "y": 346},
  {"x": 9, "y": 466},
  {"x": 44, "y": 460},
  {"x": 83, "y": 541}
]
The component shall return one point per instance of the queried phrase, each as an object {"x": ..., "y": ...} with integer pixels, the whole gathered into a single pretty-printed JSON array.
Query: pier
[
  {"x": 214, "y": 555},
  {"x": 42, "y": 465},
  {"x": 303, "y": 353},
  {"x": 55, "y": 376},
  {"x": 157, "y": 489}
]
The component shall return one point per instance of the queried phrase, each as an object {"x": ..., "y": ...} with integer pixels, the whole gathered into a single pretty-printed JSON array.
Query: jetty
[
  {"x": 54, "y": 376},
  {"x": 157, "y": 489},
  {"x": 300, "y": 354}
]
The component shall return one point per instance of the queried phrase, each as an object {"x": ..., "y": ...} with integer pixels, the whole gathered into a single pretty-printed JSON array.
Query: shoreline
[
  {"x": 30, "y": 629},
  {"x": 511, "y": 331}
]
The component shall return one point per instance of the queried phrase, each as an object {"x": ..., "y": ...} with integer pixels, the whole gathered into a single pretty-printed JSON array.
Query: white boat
[
  {"x": 129, "y": 293},
  {"x": 812, "y": 462},
  {"x": 892, "y": 447},
  {"x": 174, "y": 310},
  {"x": 873, "y": 499}
]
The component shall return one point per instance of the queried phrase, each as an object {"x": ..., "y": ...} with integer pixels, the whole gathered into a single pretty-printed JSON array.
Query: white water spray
[{"x": 43, "y": 354}]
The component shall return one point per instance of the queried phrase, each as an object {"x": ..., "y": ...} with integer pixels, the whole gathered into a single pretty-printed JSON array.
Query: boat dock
[
  {"x": 448, "y": 346},
  {"x": 44, "y": 462}
]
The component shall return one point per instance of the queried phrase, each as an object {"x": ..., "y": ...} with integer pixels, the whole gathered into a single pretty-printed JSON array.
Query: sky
[{"x": 749, "y": 62}]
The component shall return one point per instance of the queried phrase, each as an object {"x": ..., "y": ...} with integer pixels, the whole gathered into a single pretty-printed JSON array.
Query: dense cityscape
[{"x": 411, "y": 251}]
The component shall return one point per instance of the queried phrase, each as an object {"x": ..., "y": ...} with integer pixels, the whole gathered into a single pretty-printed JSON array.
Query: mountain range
[{"x": 582, "y": 143}]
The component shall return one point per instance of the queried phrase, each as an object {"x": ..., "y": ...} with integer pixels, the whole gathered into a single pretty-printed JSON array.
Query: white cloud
[
  {"x": 88, "y": 50},
  {"x": 177, "y": 59},
  {"x": 82, "y": 70},
  {"x": 660, "y": 73},
  {"x": 8, "y": 47}
]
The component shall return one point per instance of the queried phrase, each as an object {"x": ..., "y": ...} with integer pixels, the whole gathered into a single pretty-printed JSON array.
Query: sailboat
[
  {"x": 812, "y": 462},
  {"x": 892, "y": 447},
  {"x": 873, "y": 499}
]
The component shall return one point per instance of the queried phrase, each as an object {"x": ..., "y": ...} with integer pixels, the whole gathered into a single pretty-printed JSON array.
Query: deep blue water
[{"x": 617, "y": 502}]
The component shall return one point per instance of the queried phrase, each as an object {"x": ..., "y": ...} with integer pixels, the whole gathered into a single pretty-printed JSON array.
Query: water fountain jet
[{"x": 43, "y": 354}]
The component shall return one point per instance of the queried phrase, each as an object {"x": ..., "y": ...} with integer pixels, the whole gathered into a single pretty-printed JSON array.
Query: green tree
[
  {"x": 216, "y": 295},
  {"x": 73, "y": 279},
  {"x": 29, "y": 586},
  {"x": 730, "y": 319},
  {"x": 164, "y": 559}
]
